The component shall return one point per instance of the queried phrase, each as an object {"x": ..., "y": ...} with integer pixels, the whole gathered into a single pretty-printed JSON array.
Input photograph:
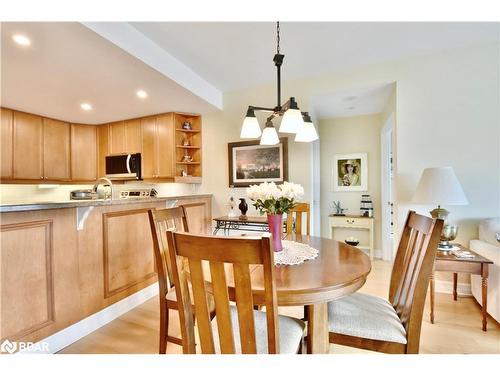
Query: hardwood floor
[{"x": 457, "y": 327}]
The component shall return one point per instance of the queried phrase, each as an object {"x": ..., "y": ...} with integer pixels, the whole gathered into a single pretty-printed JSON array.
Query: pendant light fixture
[{"x": 293, "y": 120}]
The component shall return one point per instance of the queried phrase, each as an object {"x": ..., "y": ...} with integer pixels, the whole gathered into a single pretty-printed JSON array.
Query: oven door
[{"x": 123, "y": 167}]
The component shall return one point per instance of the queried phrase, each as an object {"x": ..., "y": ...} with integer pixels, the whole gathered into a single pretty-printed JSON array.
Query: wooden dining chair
[
  {"x": 160, "y": 221},
  {"x": 295, "y": 215},
  {"x": 393, "y": 325},
  {"x": 239, "y": 328}
]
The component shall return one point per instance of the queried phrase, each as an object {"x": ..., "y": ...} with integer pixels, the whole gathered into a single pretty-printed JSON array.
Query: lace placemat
[{"x": 294, "y": 253}]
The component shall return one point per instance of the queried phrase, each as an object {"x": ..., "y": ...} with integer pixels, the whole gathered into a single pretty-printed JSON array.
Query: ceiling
[
  {"x": 353, "y": 102},
  {"x": 68, "y": 64},
  {"x": 182, "y": 65},
  {"x": 233, "y": 56}
]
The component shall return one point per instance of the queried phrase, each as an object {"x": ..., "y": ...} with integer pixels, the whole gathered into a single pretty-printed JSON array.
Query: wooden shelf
[
  {"x": 189, "y": 147},
  {"x": 188, "y": 162},
  {"x": 187, "y": 131},
  {"x": 188, "y": 179}
]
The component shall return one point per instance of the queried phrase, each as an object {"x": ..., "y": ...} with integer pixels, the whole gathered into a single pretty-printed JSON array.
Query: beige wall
[
  {"x": 347, "y": 135},
  {"x": 447, "y": 114}
]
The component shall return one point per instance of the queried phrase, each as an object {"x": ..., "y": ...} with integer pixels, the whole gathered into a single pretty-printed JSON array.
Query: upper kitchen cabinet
[
  {"x": 6, "y": 147},
  {"x": 158, "y": 147},
  {"x": 125, "y": 137},
  {"x": 56, "y": 150},
  {"x": 28, "y": 147},
  {"x": 84, "y": 152}
]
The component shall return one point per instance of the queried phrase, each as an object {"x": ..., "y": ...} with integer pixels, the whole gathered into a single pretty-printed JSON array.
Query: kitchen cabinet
[
  {"x": 56, "y": 150},
  {"x": 158, "y": 147},
  {"x": 6, "y": 147},
  {"x": 102, "y": 148},
  {"x": 28, "y": 147},
  {"x": 125, "y": 137},
  {"x": 83, "y": 152},
  {"x": 54, "y": 275},
  {"x": 165, "y": 146}
]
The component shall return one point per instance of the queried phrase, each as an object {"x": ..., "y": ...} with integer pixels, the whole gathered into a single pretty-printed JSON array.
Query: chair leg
[{"x": 163, "y": 328}]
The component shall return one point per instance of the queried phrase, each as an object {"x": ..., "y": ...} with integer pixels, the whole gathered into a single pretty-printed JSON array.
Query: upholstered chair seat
[
  {"x": 291, "y": 331},
  {"x": 366, "y": 316}
]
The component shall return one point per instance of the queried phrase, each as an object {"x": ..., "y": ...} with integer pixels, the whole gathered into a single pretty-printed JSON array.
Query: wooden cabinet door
[
  {"x": 6, "y": 143},
  {"x": 56, "y": 150},
  {"x": 117, "y": 138},
  {"x": 133, "y": 136},
  {"x": 103, "y": 148},
  {"x": 165, "y": 146},
  {"x": 149, "y": 147},
  {"x": 28, "y": 156},
  {"x": 83, "y": 152}
]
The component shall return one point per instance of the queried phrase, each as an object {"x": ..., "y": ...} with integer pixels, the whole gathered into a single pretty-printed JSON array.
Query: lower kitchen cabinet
[{"x": 53, "y": 275}]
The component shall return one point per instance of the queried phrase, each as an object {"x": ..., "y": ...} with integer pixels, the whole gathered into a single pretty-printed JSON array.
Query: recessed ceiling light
[
  {"x": 351, "y": 108},
  {"x": 350, "y": 98},
  {"x": 22, "y": 40},
  {"x": 141, "y": 94},
  {"x": 86, "y": 106}
]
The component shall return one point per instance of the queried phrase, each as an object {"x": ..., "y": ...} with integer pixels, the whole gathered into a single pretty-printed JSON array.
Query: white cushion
[
  {"x": 290, "y": 330},
  {"x": 362, "y": 315}
]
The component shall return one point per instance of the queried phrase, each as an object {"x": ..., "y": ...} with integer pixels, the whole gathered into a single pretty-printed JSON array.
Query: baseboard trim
[
  {"x": 446, "y": 287},
  {"x": 84, "y": 327}
]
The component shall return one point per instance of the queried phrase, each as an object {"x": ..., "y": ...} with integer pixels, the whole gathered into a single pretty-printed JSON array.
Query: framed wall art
[
  {"x": 251, "y": 163},
  {"x": 350, "y": 172}
]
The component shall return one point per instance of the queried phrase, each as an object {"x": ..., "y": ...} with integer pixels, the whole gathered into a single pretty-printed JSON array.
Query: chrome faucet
[{"x": 96, "y": 185}]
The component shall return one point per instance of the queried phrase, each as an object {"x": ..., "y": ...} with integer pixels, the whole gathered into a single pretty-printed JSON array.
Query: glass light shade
[
  {"x": 292, "y": 121},
  {"x": 250, "y": 128},
  {"x": 307, "y": 133},
  {"x": 269, "y": 136}
]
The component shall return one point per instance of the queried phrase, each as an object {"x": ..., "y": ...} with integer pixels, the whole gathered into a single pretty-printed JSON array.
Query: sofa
[{"x": 488, "y": 246}]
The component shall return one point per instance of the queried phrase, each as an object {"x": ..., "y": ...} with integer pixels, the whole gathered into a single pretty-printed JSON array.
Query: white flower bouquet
[{"x": 275, "y": 199}]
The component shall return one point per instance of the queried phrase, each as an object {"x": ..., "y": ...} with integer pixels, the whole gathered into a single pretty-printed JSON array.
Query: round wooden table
[{"x": 338, "y": 270}]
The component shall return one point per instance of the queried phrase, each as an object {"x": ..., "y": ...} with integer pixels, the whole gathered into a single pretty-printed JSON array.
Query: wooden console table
[
  {"x": 251, "y": 224},
  {"x": 446, "y": 261},
  {"x": 354, "y": 222}
]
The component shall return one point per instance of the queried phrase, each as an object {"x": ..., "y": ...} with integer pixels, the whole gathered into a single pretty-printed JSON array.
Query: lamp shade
[
  {"x": 269, "y": 136},
  {"x": 307, "y": 133},
  {"x": 250, "y": 128},
  {"x": 292, "y": 121},
  {"x": 439, "y": 186}
]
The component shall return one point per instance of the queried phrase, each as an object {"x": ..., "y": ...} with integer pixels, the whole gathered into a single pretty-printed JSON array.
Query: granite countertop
[{"x": 33, "y": 206}]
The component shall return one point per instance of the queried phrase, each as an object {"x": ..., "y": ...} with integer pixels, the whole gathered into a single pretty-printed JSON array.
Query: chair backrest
[
  {"x": 160, "y": 221},
  {"x": 411, "y": 272},
  {"x": 299, "y": 209},
  {"x": 187, "y": 252}
]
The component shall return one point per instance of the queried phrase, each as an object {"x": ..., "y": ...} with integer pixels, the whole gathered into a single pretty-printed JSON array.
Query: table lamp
[{"x": 440, "y": 186}]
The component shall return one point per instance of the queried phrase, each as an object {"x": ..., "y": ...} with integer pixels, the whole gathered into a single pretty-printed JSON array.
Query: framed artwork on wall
[
  {"x": 350, "y": 172},
  {"x": 251, "y": 164}
]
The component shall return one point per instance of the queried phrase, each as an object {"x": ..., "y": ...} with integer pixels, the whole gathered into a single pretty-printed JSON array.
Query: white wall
[{"x": 347, "y": 135}]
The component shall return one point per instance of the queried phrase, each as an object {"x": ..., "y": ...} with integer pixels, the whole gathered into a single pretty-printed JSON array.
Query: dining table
[{"x": 337, "y": 271}]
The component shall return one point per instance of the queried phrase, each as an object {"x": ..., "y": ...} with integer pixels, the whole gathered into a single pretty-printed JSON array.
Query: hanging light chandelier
[{"x": 293, "y": 120}]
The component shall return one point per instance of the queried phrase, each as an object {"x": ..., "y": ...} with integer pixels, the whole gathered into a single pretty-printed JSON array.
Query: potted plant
[{"x": 275, "y": 200}]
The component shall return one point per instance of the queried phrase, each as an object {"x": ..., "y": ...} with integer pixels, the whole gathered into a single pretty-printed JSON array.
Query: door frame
[{"x": 387, "y": 147}]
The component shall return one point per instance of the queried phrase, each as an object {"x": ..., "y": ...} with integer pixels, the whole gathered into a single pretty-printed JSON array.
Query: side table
[{"x": 446, "y": 261}]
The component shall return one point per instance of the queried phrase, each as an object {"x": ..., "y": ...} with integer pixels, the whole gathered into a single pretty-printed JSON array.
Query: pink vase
[{"x": 275, "y": 226}]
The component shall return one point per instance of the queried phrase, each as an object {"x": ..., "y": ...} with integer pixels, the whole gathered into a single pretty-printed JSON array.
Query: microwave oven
[{"x": 123, "y": 167}]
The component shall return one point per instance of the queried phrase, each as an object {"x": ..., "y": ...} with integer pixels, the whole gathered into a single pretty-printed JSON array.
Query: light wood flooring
[{"x": 457, "y": 327}]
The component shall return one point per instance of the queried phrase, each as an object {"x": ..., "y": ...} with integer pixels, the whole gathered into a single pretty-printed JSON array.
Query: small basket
[{"x": 352, "y": 243}]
